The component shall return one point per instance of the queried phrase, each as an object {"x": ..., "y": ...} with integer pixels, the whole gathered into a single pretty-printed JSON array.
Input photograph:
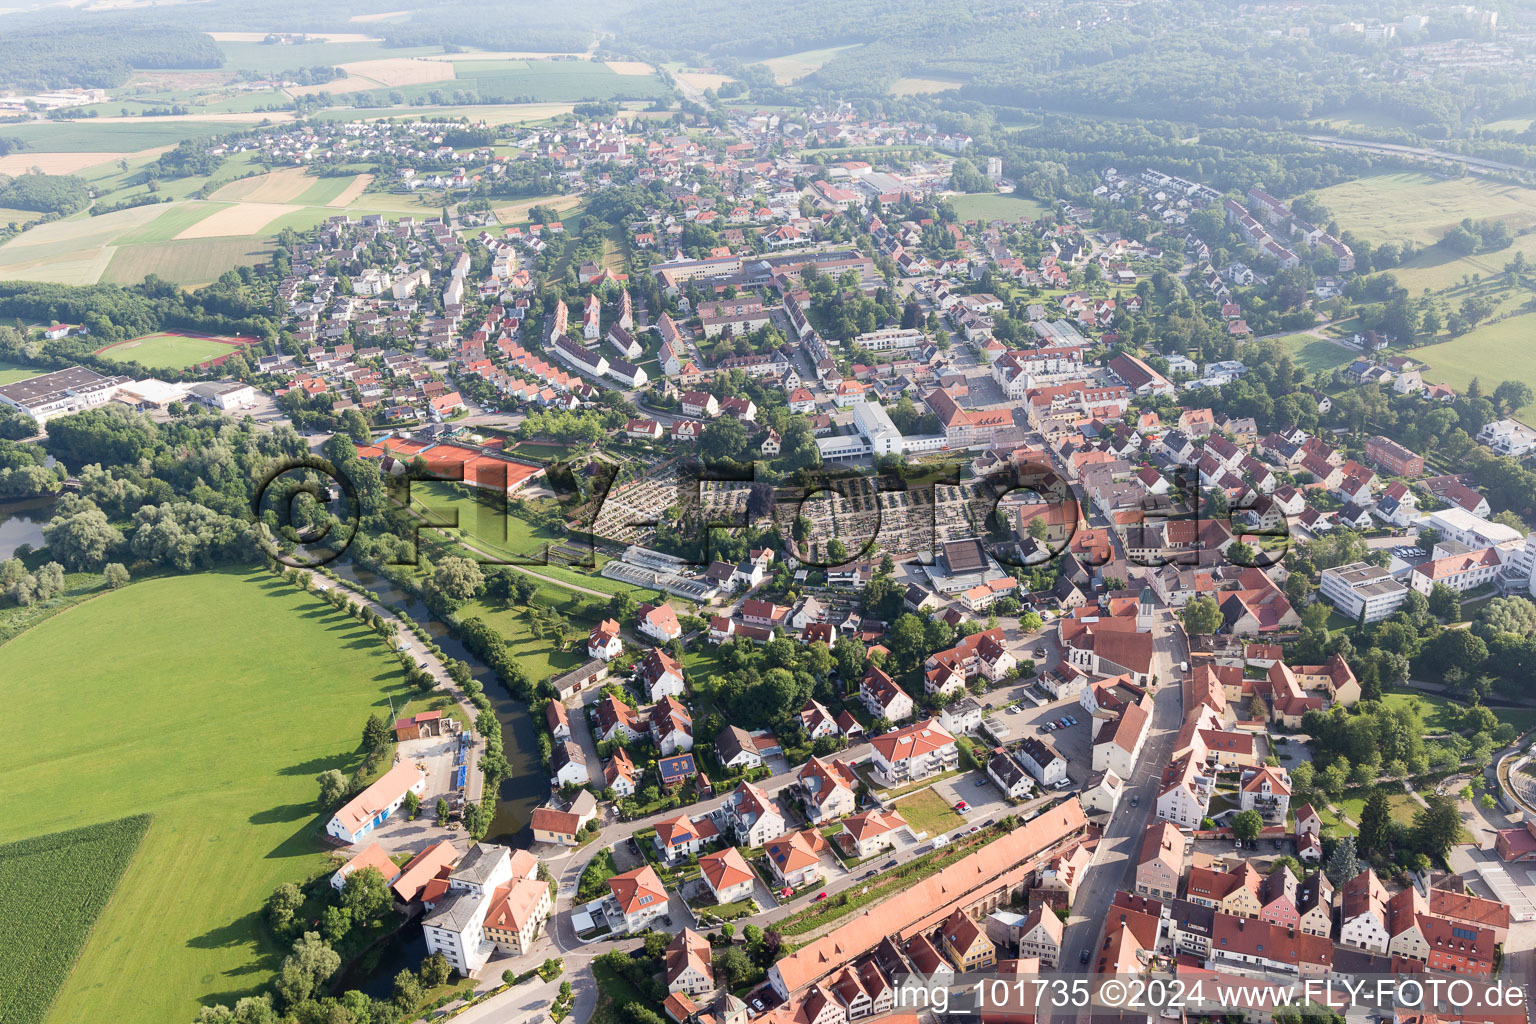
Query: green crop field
[
  {"x": 1492, "y": 353},
  {"x": 1420, "y": 208},
  {"x": 988, "y": 206},
  {"x": 190, "y": 262},
  {"x": 539, "y": 81},
  {"x": 324, "y": 190},
  {"x": 56, "y": 886},
  {"x": 187, "y": 705},
  {"x": 167, "y": 351},
  {"x": 88, "y": 136}
]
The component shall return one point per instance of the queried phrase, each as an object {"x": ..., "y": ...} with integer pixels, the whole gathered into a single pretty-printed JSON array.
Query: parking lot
[
  {"x": 985, "y": 802},
  {"x": 1075, "y": 742}
]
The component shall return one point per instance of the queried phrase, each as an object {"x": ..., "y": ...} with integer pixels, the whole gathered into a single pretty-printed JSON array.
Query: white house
[
  {"x": 1042, "y": 761},
  {"x": 660, "y": 674},
  {"x": 374, "y": 805}
]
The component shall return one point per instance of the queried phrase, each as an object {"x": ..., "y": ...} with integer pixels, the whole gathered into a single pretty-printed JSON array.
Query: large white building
[
  {"x": 61, "y": 392},
  {"x": 374, "y": 805},
  {"x": 1361, "y": 586},
  {"x": 455, "y": 924},
  {"x": 877, "y": 435}
]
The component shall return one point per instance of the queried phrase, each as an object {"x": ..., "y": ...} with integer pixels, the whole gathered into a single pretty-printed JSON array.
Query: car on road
[
  {"x": 975, "y": 828},
  {"x": 1039, "y": 652},
  {"x": 1082, "y": 958},
  {"x": 819, "y": 897},
  {"x": 1135, "y": 799},
  {"x": 890, "y": 863},
  {"x": 871, "y": 873}
]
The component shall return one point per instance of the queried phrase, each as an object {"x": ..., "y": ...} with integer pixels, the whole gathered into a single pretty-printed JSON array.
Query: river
[
  {"x": 22, "y": 522},
  {"x": 525, "y": 787}
]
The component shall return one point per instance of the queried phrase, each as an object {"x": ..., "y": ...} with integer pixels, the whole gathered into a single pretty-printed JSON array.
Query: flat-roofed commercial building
[{"x": 1360, "y": 586}]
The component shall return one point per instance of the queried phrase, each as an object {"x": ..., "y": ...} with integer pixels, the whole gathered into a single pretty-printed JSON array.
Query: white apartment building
[{"x": 1359, "y": 585}]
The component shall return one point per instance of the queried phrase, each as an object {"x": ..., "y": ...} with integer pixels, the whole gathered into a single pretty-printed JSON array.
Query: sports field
[
  {"x": 1420, "y": 208},
  {"x": 188, "y": 704},
  {"x": 1492, "y": 353},
  {"x": 167, "y": 350},
  {"x": 987, "y": 206}
]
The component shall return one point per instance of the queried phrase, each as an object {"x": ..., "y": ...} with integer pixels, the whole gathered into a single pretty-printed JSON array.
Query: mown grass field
[
  {"x": 1492, "y": 353},
  {"x": 988, "y": 206},
  {"x": 1420, "y": 208},
  {"x": 1313, "y": 354},
  {"x": 167, "y": 351},
  {"x": 10, "y": 373},
  {"x": 56, "y": 886},
  {"x": 212, "y": 702},
  {"x": 794, "y": 66}
]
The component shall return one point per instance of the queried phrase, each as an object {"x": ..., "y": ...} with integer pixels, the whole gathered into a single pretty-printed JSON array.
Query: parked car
[
  {"x": 980, "y": 783},
  {"x": 961, "y": 805},
  {"x": 757, "y": 1004},
  {"x": 786, "y": 892},
  {"x": 890, "y": 863},
  {"x": 666, "y": 919},
  {"x": 819, "y": 897},
  {"x": 871, "y": 873},
  {"x": 1039, "y": 652}
]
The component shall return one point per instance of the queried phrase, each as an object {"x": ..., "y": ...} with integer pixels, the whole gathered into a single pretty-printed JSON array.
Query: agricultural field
[
  {"x": 190, "y": 264},
  {"x": 1420, "y": 208},
  {"x": 1492, "y": 353},
  {"x": 986, "y": 206},
  {"x": 923, "y": 86},
  {"x": 517, "y": 213},
  {"x": 111, "y": 138},
  {"x": 181, "y": 708},
  {"x": 167, "y": 351},
  {"x": 73, "y": 251},
  {"x": 258, "y": 56},
  {"x": 794, "y": 66},
  {"x": 57, "y": 885}
]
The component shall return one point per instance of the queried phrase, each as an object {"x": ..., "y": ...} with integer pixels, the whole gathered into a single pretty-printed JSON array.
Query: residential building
[
  {"x": 913, "y": 752},
  {"x": 374, "y": 805},
  {"x": 1360, "y": 587},
  {"x": 636, "y": 898}
]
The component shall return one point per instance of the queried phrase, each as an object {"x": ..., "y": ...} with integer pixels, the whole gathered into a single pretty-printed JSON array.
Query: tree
[
  {"x": 458, "y": 579},
  {"x": 1444, "y": 603},
  {"x": 1246, "y": 825},
  {"x": 1375, "y": 823},
  {"x": 1201, "y": 616},
  {"x": 407, "y": 990},
  {"x": 1343, "y": 863},
  {"x": 305, "y": 969},
  {"x": 375, "y": 734},
  {"x": 1437, "y": 827},
  {"x": 435, "y": 971},
  {"x": 333, "y": 786},
  {"x": 116, "y": 575},
  {"x": 733, "y": 965},
  {"x": 443, "y": 812},
  {"x": 411, "y": 804},
  {"x": 366, "y": 894},
  {"x": 81, "y": 541},
  {"x": 283, "y": 905},
  {"x": 475, "y": 823}
]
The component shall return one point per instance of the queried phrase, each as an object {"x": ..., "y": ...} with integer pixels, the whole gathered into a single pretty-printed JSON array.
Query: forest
[
  {"x": 100, "y": 55},
  {"x": 46, "y": 193}
]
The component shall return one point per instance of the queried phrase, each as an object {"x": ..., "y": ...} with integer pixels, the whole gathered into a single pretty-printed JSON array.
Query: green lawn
[
  {"x": 10, "y": 373},
  {"x": 1313, "y": 354},
  {"x": 210, "y": 701},
  {"x": 989, "y": 206},
  {"x": 1431, "y": 707},
  {"x": 1493, "y": 353},
  {"x": 927, "y": 812},
  {"x": 167, "y": 351}
]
